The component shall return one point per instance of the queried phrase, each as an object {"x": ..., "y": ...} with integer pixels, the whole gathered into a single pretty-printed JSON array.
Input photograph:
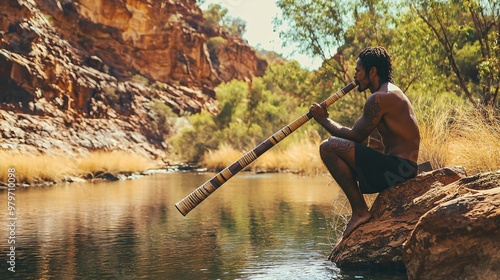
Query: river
[{"x": 256, "y": 226}]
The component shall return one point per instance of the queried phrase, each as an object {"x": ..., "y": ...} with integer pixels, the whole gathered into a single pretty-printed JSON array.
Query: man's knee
[{"x": 332, "y": 146}]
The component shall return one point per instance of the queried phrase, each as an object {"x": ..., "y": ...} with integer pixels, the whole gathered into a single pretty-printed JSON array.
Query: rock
[
  {"x": 396, "y": 211},
  {"x": 236, "y": 62},
  {"x": 106, "y": 176},
  {"x": 73, "y": 179},
  {"x": 439, "y": 225},
  {"x": 459, "y": 238}
]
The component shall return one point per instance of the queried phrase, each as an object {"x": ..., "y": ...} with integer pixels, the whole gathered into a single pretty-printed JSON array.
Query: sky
[{"x": 259, "y": 15}]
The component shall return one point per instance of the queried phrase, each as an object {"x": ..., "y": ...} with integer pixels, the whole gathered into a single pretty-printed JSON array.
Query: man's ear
[{"x": 373, "y": 72}]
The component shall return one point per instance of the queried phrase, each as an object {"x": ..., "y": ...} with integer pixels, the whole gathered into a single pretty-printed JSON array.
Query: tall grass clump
[
  {"x": 115, "y": 161},
  {"x": 434, "y": 124},
  {"x": 56, "y": 168},
  {"x": 475, "y": 140},
  {"x": 34, "y": 168},
  {"x": 457, "y": 134},
  {"x": 220, "y": 158},
  {"x": 299, "y": 155}
]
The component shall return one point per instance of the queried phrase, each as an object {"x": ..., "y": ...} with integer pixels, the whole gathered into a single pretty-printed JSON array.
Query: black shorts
[{"x": 377, "y": 171}]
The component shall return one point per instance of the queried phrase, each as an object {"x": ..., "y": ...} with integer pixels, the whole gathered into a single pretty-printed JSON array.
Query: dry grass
[
  {"x": 461, "y": 137},
  {"x": 301, "y": 156},
  {"x": 298, "y": 157},
  {"x": 38, "y": 168},
  {"x": 474, "y": 141},
  {"x": 30, "y": 168},
  {"x": 434, "y": 134},
  {"x": 221, "y": 158},
  {"x": 115, "y": 161}
]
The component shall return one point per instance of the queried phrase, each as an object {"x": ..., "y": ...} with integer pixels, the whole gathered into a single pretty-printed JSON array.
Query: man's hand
[{"x": 318, "y": 112}]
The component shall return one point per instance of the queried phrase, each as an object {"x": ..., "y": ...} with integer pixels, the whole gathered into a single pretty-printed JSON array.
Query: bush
[
  {"x": 163, "y": 119},
  {"x": 214, "y": 44}
]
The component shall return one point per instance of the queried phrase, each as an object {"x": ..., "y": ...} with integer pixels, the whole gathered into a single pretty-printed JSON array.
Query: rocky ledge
[{"x": 442, "y": 224}]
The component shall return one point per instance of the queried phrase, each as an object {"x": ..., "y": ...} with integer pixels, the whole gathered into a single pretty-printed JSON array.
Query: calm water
[{"x": 268, "y": 226}]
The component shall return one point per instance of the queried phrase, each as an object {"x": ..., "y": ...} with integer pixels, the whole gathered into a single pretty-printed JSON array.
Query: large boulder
[
  {"x": 439, "y": 225},
  {"x": 459, "y": 238},
  {"x": 396, "y": 211}
]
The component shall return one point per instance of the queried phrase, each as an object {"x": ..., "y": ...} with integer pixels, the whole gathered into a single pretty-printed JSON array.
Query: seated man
[{"x": 389, "y": 111}]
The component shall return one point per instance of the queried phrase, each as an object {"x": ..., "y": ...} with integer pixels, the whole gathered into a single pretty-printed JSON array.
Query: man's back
[{"x": 398, "y": 126}]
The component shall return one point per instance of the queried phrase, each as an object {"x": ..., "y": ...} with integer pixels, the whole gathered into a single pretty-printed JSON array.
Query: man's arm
[{"x": 363, "y": 126}]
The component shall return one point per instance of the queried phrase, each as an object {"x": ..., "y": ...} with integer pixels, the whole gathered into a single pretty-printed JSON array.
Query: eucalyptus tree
[
  {"x": 469, "y": 35},
  {"x": 317, "y": 29}
]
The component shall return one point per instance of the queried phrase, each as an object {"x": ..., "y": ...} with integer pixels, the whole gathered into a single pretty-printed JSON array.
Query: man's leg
[{"x": 338, "y": 156}]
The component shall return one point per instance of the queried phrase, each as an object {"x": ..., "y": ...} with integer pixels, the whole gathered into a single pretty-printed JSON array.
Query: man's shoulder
[
  {"x": 388, "y": 97},
  {"x": 389, "y": 89},
  {"x": 389, "y": 93},
  {"x": 392, "y": 88}
]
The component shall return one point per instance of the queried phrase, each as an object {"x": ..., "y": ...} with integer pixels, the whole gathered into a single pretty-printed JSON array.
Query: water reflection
[{"x": 272, "y": 226}]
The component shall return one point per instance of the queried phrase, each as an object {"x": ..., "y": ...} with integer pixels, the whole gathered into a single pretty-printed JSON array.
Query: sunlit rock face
[
  {"x": 459, "y": 238},
  {"x": 441, "y": 224},
  {"x": 104, "y": 64}
]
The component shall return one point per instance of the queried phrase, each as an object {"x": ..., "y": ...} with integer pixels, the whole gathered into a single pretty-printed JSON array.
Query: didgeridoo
[{"x": 202, "y": 192}]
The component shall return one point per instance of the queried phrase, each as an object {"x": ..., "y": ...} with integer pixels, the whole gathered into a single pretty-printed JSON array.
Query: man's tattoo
[
  {"x": 372, "y": 108},
  {"x": 340, "y": 145}
]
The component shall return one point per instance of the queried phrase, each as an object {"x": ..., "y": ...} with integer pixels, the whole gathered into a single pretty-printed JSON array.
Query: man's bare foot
[{"x": 356, "y": 221}]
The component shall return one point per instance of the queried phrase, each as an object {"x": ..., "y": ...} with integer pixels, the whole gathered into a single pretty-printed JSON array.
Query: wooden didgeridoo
[{"x": 197, "y": 196}]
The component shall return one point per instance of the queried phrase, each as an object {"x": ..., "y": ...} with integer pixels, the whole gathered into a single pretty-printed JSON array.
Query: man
[{"x": 387, "y": 110}]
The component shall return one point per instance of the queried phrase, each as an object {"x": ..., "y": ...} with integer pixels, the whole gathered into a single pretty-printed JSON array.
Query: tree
[
  {"x": 318, "y": 28},
  {"x": 217, "y": 15},
  {"x": 458, "y": 25}
]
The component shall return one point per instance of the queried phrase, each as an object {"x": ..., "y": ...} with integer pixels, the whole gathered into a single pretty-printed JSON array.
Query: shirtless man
[{"x": 390, "y": 112}]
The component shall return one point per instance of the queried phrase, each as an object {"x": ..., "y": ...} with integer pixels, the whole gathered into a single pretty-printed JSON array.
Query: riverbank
[{"x": 46, "y": 170}]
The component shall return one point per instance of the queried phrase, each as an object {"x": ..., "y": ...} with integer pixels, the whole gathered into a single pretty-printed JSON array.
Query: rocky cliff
[
  {"x": 108, "y": 74},
  {"x": 442, "y": 224}
]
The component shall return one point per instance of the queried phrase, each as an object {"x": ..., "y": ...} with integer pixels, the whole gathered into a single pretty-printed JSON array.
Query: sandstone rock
[
  {"x": 459, "y": 238},
  {"x": 439, "y": 225},
  {"x": 90, "y": 68},
  {"x": 396, "y": 211}
]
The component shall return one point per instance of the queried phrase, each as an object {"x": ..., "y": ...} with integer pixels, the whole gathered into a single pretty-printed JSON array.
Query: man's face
[{"x": 361, "y": 76}]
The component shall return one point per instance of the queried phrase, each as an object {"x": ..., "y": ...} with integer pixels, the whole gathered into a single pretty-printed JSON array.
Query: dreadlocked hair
[{"x": 379, "y": 58}]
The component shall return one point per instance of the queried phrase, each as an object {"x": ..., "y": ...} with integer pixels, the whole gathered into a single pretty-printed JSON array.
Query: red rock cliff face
[{"x": 105, "y": 63}]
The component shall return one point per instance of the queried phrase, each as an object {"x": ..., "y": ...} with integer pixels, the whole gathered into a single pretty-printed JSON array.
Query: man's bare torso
[{"x": 398, "y": 126}]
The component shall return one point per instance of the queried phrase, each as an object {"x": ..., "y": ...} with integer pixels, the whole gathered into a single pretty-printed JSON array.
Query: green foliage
[
  {"x": 139, "y": 79},
  {"x": 237, "y": 27},
  {"x": 231, "y": 97},
  {"x": 249, "y": 112},
  {"x": 467, "y": 32},
  {"x": 193, "y": 141},
  {"x": 317, "y": 27},
  {"x": 214, "y": 44},
  {"x": 452, "y": 41},
  {"x": 291, "y": 79},
  {"x": 217, "y": 15}
]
